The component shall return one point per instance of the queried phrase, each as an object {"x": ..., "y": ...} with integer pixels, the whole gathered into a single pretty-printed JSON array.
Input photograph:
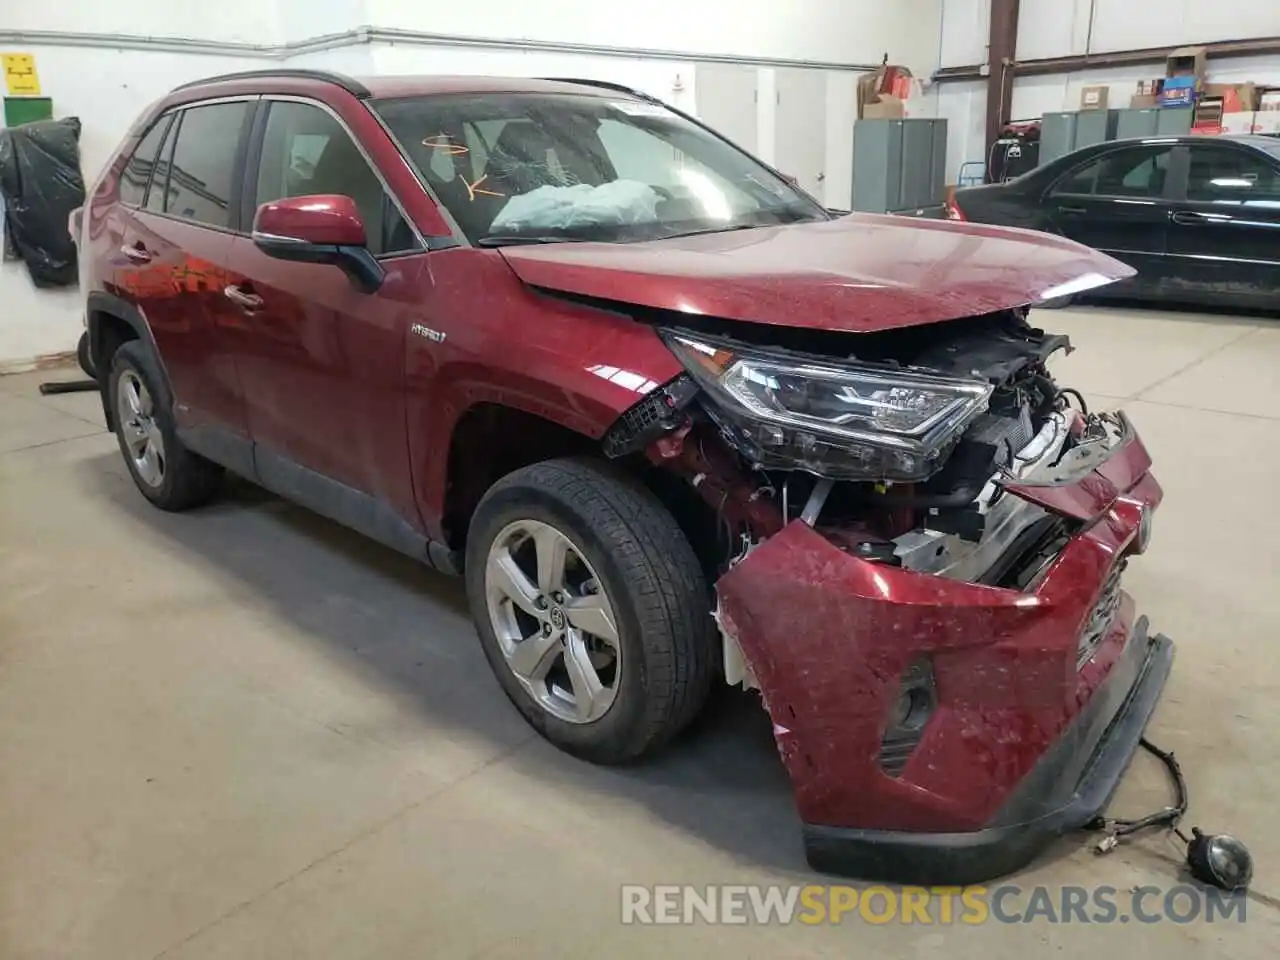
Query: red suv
[{"x": 676, "y": 423}]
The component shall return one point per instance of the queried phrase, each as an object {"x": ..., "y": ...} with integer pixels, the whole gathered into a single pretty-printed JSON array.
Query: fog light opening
[{"x": 909, "y": 713}]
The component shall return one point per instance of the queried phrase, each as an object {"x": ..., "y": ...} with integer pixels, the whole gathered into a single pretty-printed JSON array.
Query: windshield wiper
[
  {"x": 515, "y": 239},
  {"x": 729, "y": 229}
]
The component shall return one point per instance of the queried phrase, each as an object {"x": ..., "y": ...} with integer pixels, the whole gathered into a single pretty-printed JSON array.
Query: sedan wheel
[{"x": 553, "y": 621}]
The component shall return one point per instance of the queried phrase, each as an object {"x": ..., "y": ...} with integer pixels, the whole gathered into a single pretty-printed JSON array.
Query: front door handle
[
  {"x": 1073, "y": 211},
  {"x": 242, "y": 298},
  {"x": 1188, "y": 219},
  {"x": 136, "y": 254}
]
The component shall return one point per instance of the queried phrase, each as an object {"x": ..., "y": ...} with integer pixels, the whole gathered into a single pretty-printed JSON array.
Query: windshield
[{"x": 522, "y": 168}]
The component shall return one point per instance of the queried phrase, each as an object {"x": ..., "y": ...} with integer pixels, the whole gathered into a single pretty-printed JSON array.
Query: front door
[
  {"x": 323, "y": 364},
  {"x": 1119, "y": 203},
  {"x": 1224, "y": 234}
]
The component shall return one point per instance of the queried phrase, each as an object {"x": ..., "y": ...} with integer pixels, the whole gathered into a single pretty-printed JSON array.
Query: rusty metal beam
[
  {"x": 1221, "y": 50},
  {"x": 1002, "y": 54}
]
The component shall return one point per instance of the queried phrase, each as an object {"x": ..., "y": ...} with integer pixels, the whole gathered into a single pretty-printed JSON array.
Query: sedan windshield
[{"x": 544, "y": 168}]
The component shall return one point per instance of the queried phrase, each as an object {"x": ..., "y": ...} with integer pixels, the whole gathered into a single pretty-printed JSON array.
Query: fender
[
  {"x": 585, "y": 412},
  {"x": 101, "y": 303},
  {"x": 486, "y": 338}
]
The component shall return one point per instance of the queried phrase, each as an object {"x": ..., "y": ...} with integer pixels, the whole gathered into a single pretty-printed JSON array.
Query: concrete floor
[{"x": 245, "y": 732}]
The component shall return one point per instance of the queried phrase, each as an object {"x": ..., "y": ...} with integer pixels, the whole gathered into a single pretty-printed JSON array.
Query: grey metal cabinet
[
  {"x": 1137, "y": 123},
  {"x": 1095, "y": 126},
  {"x": 1154, "y": 121},
  {"x": 1174, "y": 121},
  {"x": 899, "y": 164},
  {"x": 1061, "y": 133},
  {"x": 1057, "y": 136}
]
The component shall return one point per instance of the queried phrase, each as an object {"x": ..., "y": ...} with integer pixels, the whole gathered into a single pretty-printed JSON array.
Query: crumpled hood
[{"x": 860, "y": 273}]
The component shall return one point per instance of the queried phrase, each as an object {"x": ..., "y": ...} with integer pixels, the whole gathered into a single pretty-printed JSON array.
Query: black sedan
[{"x": 1197, "y": 217}]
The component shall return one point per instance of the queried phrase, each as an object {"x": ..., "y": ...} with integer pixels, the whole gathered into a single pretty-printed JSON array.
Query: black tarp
[{"x": 40, "y": 184}]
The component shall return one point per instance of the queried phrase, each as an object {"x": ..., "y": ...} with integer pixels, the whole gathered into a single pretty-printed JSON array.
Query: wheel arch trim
[{"x": 101, "y": 303}]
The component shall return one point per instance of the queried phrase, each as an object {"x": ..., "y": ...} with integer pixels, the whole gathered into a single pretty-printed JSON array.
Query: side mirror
[{"x": 325, "y": 228}]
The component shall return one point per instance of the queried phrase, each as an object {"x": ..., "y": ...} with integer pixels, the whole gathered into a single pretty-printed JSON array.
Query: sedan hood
[{"x": 860, "y": 273}]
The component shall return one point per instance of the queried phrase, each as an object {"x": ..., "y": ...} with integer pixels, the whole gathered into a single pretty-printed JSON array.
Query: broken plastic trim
[{"x": 657, "y": 414}]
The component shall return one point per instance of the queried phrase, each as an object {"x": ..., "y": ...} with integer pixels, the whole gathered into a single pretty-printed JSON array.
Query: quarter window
[
  {"x": 203, "y": 163},
  {"x": 306, "y": 151},
  {"x": 137, "y": 172}
]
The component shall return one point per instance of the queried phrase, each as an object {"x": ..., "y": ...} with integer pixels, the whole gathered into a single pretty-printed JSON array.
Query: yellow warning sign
[{"x": 20, "y": 78}]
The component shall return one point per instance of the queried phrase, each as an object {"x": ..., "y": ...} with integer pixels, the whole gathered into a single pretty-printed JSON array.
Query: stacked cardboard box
[
  {"x": 1184, "y": 76},
  {"x": 1231, "y": 108}
]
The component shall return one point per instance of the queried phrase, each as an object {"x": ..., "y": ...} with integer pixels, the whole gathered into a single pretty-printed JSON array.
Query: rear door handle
[
  {"x": 136, "y": 254},
  {"x": 1188, "y": 219},
  {"x": 1073, "y": 211},
  {"x": 249, "y": 301}
]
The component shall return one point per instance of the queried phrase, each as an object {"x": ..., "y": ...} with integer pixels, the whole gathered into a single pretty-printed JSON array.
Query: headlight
[{"x": 850, "y": 422}]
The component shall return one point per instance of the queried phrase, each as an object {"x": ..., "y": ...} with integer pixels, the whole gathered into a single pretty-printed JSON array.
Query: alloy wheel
[
  {"x": 553, "y": 621},
  {"x": 135, "y": 413}
]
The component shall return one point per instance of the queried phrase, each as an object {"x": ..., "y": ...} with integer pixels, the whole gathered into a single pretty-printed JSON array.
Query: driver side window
[
  {"x": 305, "y": 150},
  {"x": 1137, "y": 173}
]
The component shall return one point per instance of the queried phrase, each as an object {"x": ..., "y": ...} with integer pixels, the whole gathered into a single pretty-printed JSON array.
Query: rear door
[
  {"x": 1224, "y": 233},
  {"x": 176, "y": 237},
  {"x": 1119, "y": 202}
]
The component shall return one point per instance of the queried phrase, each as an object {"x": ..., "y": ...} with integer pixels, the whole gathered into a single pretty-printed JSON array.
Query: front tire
[
  {"x": 164, "y": 471},
  {"x": 591, "y": 608}
]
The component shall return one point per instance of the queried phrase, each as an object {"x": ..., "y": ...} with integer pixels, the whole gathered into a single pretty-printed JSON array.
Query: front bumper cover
[
  {"x": 1054, "y": 798},
  {"x": 1023, "y": 743}
]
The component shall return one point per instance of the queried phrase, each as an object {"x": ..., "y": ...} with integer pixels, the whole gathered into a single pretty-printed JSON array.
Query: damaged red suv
[{"x": 676, "y": 424}]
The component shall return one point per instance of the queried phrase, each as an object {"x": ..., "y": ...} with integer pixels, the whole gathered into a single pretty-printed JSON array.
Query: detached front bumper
[{"x": 1024, "y": 741}]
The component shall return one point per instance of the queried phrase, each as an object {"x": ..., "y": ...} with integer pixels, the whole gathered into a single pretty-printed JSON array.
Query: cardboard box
[
  {"x": 1187, "y": 62},
  {"x": 1094, "y": 98},
  {"x": 1208, "y": 116},
  {"x": 1179, "y": 91},
  {"x": 887, "y": 83},
  {"x": 1266, "y": 121},
  {"x": 887, "y": 107},
  {"x": 1236, "y": 97},
  {"x": 1147, "y": 94},
  {"x": 1236, "y": 123}
]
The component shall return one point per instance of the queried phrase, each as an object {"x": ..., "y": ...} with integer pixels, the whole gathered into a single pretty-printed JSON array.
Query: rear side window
[
  {"x": 1138, "y": 173},
  {"x": 137, "y": 172},
  {"x": 203, "y": 164}
]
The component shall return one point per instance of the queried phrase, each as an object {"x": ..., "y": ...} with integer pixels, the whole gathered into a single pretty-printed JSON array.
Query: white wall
[
  {"x": 852, "y": 31},
  {"x": 243, "y": 21},
  {"x": 1057, "y": 28},
  {"x": 108, "y": 87}
]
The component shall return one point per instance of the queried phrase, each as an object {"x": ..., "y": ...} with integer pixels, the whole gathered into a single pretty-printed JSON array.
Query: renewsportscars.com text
[{"x": 817, "y": 904}]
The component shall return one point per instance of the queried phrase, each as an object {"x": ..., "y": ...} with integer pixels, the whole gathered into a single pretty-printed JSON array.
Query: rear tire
[
  {"x": 623, "y": 553},
  {"x": 164, "y": 471},
  {"x": 83, "y": 358}
]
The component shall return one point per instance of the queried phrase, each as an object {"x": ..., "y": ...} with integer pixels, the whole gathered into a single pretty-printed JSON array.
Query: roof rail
[
  {"x": 353, "y": 87},
  {"x": 606, "y": 85}
]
